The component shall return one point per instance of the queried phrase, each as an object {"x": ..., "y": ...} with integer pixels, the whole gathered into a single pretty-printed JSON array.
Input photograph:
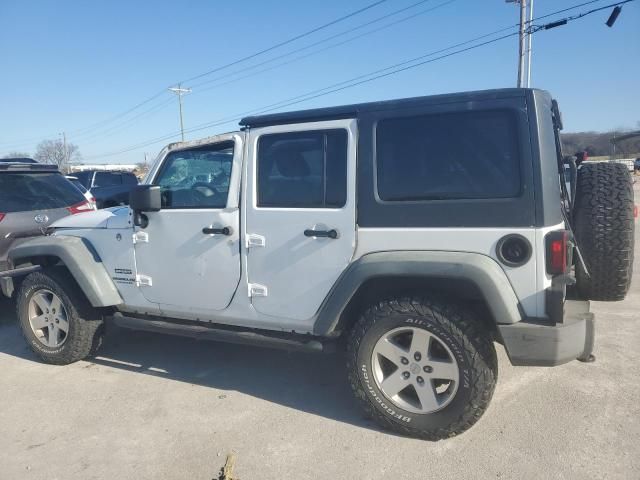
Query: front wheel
[
  {"x": 422, "y": 368},
  {"x": 56, "y": 319}
]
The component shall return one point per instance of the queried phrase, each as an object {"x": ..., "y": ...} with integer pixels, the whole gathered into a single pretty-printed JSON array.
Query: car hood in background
[{"x": 116, "y": 217}]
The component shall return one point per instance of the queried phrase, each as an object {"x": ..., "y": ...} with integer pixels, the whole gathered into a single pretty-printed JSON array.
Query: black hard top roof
[{"x": 352, "y": 111}]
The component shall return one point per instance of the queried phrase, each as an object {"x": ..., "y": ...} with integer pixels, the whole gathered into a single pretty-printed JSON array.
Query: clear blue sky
[{"x": 67, "y": 65}]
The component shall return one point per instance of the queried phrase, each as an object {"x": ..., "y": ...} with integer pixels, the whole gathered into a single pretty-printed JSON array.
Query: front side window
[
  {"x": 197, "y": 177},
  {"x": 448, "y": 156},
  {"x": 302, "y": 169}
]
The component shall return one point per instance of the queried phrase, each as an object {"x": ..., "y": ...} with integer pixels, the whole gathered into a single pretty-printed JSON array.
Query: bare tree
[
  {"x": 55, "y": 152},
  {"x": 16, "y": 155}
]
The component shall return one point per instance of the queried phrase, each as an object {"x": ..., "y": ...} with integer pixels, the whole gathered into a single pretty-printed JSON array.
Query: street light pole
[{"x": 180, "y": 92}]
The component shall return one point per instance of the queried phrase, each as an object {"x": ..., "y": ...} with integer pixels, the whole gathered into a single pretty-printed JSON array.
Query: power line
[
  {"x": 326, "y": 39},
  {"x": 315, "y": 52},
  {"x": 286, "y": 42},
  {"x": 251, "y": 67},
  {"x": 381, "y": 73},
  {"x": 564, "y": 21},
  {"x": 97, "y": 136},
  {"x": 353, "y": 39},
  {"x": 101, "y": 123},
  {"x": 295, "y": 100},
  {"x": 156, "y": 108}
]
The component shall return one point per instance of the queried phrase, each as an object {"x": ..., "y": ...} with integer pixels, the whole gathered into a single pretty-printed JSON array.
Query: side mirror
[{"x": 144, "y": 198}]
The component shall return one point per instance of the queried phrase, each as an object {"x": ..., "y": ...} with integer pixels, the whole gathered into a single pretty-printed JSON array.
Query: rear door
[
  {"x": 300, "y": 214},
  {"x": 184, "y": 261}
]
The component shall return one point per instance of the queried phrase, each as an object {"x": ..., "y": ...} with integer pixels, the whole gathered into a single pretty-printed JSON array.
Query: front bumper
[{"x": 537, "y": 343}]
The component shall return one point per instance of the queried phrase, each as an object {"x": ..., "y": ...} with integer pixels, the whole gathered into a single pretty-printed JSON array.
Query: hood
[{"x": 115, "y": 217}]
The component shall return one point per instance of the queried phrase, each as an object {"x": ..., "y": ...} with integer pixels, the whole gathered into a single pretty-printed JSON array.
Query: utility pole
[
  {"x": 529, "y": 40},
  {"x": 180, "y": 92},
  {"x": 65, "y": 153},
  {"x": 521, "y": 39}
]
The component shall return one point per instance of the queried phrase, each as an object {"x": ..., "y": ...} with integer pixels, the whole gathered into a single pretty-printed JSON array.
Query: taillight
[
  {"x": 557, "y": 245},
  {"x": 1, "y": 216},
  {"x": 80, "y": 208}
]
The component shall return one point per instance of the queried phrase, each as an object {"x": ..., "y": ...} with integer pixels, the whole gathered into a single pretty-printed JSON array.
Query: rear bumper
[{"x": 537, "y": 343}]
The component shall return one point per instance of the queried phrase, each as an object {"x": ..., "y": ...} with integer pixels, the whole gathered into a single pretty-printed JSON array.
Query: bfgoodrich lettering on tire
[
  {"x": 421, "y": 367},
  {"x": 56, "y": 319}
]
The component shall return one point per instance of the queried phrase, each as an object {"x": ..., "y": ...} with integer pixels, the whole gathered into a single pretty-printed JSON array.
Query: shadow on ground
[{"x": 309, "y": 382}]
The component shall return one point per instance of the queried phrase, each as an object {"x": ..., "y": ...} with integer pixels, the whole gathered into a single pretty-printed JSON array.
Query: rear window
[
  {"x": 448, "y": 156},
  {"x": 22, "y": 192},
  {"x": 107, "y": 179}
]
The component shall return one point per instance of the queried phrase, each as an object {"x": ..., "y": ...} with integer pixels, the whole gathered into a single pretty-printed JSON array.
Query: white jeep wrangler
[{"x": 419, "y": 231}]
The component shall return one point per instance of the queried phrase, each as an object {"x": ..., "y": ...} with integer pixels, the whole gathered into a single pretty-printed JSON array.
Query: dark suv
[
  {"x": 109, "y": 188},
  {"x": 32, "y": 196}
]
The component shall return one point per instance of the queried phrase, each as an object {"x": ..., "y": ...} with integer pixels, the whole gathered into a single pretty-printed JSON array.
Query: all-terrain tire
[
  {"x": 604, "y": 230},
  {"x": 86, "y": 327},
  {"x": 465, "y": 336}
]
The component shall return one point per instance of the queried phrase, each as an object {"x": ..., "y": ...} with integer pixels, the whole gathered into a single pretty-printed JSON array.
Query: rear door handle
[
  {"x": 216, "y": 231},
  {"x": 333, "y": 234}
]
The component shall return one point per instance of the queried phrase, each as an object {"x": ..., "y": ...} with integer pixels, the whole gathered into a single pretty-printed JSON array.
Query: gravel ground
[{"x": 158, "y": 407}]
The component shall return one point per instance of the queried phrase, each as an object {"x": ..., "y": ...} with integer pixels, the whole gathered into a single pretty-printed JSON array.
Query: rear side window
[
  {"x": 84, "y": 178},
  {"x": 107, "y": 179},
  {"x": 22, "y": 192},
  {"x": 448, "y": 156},
  {"x": 303, "y": 169}
]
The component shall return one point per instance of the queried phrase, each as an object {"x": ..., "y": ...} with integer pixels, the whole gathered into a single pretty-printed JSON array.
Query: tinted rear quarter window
[
  {"x": 21, "y": 192},
  {"x": 463, "y": 155}
]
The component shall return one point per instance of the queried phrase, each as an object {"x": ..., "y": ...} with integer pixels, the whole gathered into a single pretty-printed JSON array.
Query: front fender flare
[
  {"x": 479, "y": 269},
  {"x": 82, "y": 261}
]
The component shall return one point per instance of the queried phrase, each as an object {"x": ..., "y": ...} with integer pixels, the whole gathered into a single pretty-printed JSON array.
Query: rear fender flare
[{"x": 481, "y": 270}]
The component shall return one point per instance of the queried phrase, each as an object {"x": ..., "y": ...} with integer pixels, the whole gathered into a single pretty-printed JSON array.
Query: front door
[
  {"x": 188, "y": 257},
  {"x": 300, "y": 214}
]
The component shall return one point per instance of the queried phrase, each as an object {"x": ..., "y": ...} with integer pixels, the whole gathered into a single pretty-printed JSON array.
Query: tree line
[
  {"x": 599, "y": 144},
  {"x": 54, "y": 152}
]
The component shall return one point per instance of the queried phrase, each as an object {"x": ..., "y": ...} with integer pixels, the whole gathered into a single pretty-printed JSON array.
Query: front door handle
[
  {"x": 333, "y": 234},
  {"x": 215, "y": 231}
]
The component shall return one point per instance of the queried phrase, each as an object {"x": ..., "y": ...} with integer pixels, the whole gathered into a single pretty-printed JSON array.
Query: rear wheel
[
  {"x": 421, "y": 367},
  {"x": 56, "y": 319},
  {"x": 604, "y": 229}
]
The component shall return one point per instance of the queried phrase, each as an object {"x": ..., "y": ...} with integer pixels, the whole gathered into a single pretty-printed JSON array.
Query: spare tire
[{"x": 604, "y": 230}]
